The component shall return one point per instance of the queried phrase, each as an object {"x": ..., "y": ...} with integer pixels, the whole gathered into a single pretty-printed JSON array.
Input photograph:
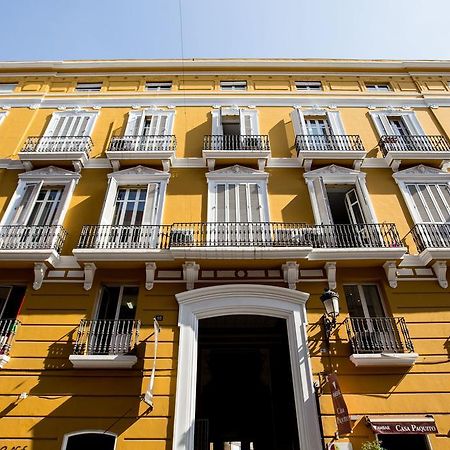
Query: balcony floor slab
[
  {"x": 384, "y": 359},
  {"x": 103, "y": 361},
  {"x": 4, "y": 359},
  {"x": 356, "y": 253}
]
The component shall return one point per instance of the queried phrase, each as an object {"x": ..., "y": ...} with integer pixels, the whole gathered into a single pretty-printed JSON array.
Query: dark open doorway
[{"x": 245, "y": 395}]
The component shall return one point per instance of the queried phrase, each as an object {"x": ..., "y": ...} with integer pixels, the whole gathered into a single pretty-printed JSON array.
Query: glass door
[{"x": 320, "y": 131}]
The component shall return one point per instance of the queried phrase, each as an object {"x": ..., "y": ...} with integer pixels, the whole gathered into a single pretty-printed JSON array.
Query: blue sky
[{"x": 83, "y": 29}]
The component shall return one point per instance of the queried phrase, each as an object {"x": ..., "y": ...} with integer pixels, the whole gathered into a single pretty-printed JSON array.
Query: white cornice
[{"x": 205, "y": 63}]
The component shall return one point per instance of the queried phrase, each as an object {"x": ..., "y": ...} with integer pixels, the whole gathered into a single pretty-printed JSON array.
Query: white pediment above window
[
  {"x": 334, "y": 173},
  {"x": 139, "y": 175},
  {"x": 50, "y": 173},
  {"x": 237, "y": 172},
  {"x": 422, "y": 173}
]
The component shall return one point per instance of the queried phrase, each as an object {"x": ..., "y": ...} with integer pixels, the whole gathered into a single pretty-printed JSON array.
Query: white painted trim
[
  {"x": 4, "y": 359},
  {"x": 86, "y": 431},
  {"x": 225, "y": 300},
  {"x": 379, "y": 119},
  {"x": 384, "y": 359},
  {"x": 363, "y": 253},
  {"x": 103, "y": 361},
  {"x": 3, "y": 115}
]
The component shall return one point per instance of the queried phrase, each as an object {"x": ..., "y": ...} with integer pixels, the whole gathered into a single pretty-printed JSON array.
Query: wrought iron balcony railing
[
  {"x": 431, "y": 235},
  {"x": 413, "y": 143},
  {"x": 232, "y": 142},
  {"x": 124, "y": 237},
  {"x": 32, "y": 237},
  {"x": 239, "y": 234},
  {"x": 270, "y": 234},
  {"x": 58, "y": 144},
  {"x": 142, "y": 143},
  {"x": 378, "y": 335},
  {"x": 343, "y": 142},
  {"x": 8, "y": 328},
  {"x": 107, "y": 337}
]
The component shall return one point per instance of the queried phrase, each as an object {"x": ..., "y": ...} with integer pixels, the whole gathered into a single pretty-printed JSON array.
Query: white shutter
[
  {"x": 368, "y": 213},
  {"x": 383, "y": 125},
  {"x": 151, "y": 204},
  {"x": 217, "y": 122},
  {"x": 23, "y": 203},
  {"x": 413, "y": 124},
  {"x": 334, "y": 119},
  {"x": 220, "y": 202},
  {"x": 353, "y": 206},
  {"x": 135, "y": 121},
  {"x": 110, "y": 200},
  {"x": 255, "y": 206},
  {"x": 298, "y": 122},
  {"x": 322, "y": 202},
  {"x": 70, "y": 124},
  {"x": 248, "y": 122}
]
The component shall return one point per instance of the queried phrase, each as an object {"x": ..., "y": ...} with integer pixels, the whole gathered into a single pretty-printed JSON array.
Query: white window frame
[
  {"x": 380, "y": 119},
  {"x": 314, "y": 86},
  {"x": 233, "y": 85},
  {"x": 49, "y": 131},
  {"x": 134, "y": 116},
  {"x": 317, "y": 180},
  {"x": 135, "y": 176},
  {"x": 47, "y": 177},
  {"x": 88, "y": 87},
  {"x": 3, "y": 115},
  {"x": 419, "y": 175},
  {"x": 378, "y": 87},
  {"x": 74, "y": 433},
  {"x": 217, "y": 113},
  {"x": 334, "y": 119},
  {"x": 237, "y": 174},
  {"x": 12, "y": 88},
  {"x": 158, "y": 85}
]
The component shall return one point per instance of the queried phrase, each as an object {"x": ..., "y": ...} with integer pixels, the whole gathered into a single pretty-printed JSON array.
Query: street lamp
[{"x": 330, "y": 300}]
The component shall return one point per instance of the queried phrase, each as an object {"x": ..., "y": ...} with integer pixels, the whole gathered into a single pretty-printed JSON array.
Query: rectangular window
[
  {"x": 317, "y": 126},
  {"x": 88, "y": 87},
  {"x": 308, "y": 85},
  {"x": 10, "y": 300},
  {"x": 158, "y": 85},
  {"x": 378, "y": 87},
  {"x": 233, "y": 85},
  {"x": 7, "y": 87},
  {"x": 432, "y": 201},
  {"x": 363, "y": 300},
  {"x": 45, "y": 207},
  {"x": 118, "y": 302}
]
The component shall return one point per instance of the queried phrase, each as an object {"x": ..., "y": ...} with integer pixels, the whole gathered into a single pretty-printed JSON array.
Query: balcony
[
  {"x": 140, "y": 149},
  {"x": 265, "y": 240},
  {"x": 328, "y": 149},
  {"x": 31, "y": 243},
  {"x": 105, "y": 344},
  {"x": 60, "y": 149},
  {"x": 236, "y": 149},
  {"x": 8, "y": 328},
  {"x": 414, "y": 149},
  {"x": 380, "y": 341},
  {"x": 432, "y": 240},
  {"x": 128, "y": 243}
]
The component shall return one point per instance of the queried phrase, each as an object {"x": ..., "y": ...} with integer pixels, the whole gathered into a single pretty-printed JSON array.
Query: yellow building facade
[{"x": 168, "y": 230}]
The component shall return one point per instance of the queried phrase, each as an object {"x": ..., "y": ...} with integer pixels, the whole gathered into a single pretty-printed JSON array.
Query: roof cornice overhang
[{"x": 204, "y": 64}]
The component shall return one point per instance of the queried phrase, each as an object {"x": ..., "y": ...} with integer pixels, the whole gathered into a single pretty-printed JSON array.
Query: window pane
[
  {"x": 354, "y": 304},
  {"x": 429, "y": 202},
  {"x": 243, "y": 211},
  {"x": 128, "y": 303},
  {"x": 439, "y": 202},
  {"x": 373, "y": 301},
  {"x": 108, "y": 303},
  {"x": 254, "y": 203},
  {"x": 418, "y": 202},
  {"x": 231, "y": 203},
  {"x": 220, "y": 203}
]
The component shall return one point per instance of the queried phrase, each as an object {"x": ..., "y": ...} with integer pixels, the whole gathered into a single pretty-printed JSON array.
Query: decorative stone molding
[
  {"x": 290, "y": 273},
  {"x": 190, "y": 274},
  {"x": 89, "y": 272},
  {"x": 330, "y": 270},
  {"x": 150, "y": 269},
  {"x": 166, "y": 165},
  {"x": 390, "y": 267},
  {"x": 440, "y": 270},
  {"x": 40, "y": 270}
]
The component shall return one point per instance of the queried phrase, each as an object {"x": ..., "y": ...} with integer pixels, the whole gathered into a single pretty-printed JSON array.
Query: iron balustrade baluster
[
  {"x": 329, "y": 142},
  {"x": 378, "y": 335},
  {"x": 233, "y": 142},
  {"x": 143, "y": 143},
  {"x": 430, "y": 235},
  {"x": 58, "y": 144},
  {"x": 413, "y": 143},
  {"x": 8, "y": 329},
  {"x": 32, "y": 237}
]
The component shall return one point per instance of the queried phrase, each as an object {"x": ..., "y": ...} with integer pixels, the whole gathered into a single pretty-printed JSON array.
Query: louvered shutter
[
  {"x": 322, "y": 202},
  {"x": 151, "y": 204}
]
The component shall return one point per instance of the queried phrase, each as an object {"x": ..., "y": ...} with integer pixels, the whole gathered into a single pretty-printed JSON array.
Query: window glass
[
  {"x": 363, "y": 301},
  {"x": 7, "y": 87},
  {"x": 158, "y": 86},
  {"x": 383, "y": 87},
  {"x": 308, "y": 85},
  {"x": 88, "y": 87},
  {"x": 99, "y": 441},
  {"x": 373, "y": 300},
  {"x": 233, "y": 85}
]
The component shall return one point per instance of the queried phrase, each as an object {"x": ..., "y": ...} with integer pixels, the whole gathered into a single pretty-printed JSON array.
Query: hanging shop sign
[{"x": 343, "y": 422}]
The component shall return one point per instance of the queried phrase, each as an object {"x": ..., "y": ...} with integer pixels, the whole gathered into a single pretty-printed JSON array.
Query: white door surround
[{"x": 248, "y": 299}]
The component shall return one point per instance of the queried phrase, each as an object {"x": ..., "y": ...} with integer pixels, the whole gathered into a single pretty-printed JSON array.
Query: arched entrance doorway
[{"x": 255, "y": 300}]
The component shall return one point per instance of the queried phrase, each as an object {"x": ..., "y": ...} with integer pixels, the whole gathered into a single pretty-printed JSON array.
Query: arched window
[{"x": 89, "y": 439}]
